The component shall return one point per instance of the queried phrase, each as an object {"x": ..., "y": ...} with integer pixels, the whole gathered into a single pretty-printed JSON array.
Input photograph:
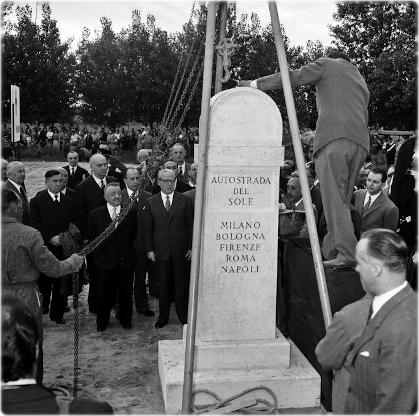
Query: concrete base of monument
[{"x": 296, "y": 385}]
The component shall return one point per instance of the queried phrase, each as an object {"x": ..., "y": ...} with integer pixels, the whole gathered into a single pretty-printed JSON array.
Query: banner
[{"x": 15, "y": 108}]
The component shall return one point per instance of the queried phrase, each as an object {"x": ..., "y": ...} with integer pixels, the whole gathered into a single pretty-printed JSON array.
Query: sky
[{"x": 303, "y": 20}]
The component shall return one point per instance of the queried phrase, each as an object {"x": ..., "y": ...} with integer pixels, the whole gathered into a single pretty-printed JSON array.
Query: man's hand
[
  {"x": 189, "y": 255},
  {"x": 77, "y": 259},
  {"x": 55, "y": 241},
  {"x": 151, "y": 256},
  {"x": 244, "y": 83}
]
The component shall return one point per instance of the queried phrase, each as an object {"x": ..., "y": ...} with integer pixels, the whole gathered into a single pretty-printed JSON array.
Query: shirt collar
[
  {"x": 20, "y": 382},
  {"x": 53, "y": 195},
  {"x": 373, "y": 197},
  {"x": 163, "y": 197},
  {"x": 110, "y": 209},
  {"x": 98, "y": 181},
  {"x": 15, "y": 185},
  {"x": 380, "y": 300}
]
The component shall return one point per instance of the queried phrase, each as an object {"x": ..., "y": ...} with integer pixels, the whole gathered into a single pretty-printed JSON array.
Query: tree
[
  {"x": 380, "y": 38},
  {"x": 37, "y": 62}
]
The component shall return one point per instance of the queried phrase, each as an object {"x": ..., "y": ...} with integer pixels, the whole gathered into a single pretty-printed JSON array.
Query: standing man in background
[
  {"x": 76, "y": 173},
  {"x": 341, "y": 142}
]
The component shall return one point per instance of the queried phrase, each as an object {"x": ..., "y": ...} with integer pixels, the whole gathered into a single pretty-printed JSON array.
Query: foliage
[
  {"x": 380, "y": 38},
  {"x": 37, "y": 62}
]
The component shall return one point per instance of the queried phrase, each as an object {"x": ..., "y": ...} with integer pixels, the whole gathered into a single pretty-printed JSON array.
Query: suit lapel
[
  {"x": 376, "y": 204},
  {"x": 95, "y": 188},
  {"x": 360, "y": 201},
  {"x": 174, "y": 206},
  {"x": 376, "y": 322},
  {"x": 159, "y": 206}
]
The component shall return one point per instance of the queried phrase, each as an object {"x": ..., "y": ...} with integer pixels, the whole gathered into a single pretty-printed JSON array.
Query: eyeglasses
[{"x": 167, "y": 181}]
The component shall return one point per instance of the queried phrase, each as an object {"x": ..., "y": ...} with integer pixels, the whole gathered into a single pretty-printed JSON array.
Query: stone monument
[{"x": 237, "y": 344}]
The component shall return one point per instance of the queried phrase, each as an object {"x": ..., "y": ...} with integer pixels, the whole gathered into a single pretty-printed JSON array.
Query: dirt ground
[{"x": 118, "y": 366}]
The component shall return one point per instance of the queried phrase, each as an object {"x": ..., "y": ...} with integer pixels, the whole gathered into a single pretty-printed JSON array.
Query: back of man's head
[
  {"x": 9, "y": 198},
  {"x": 336, "y": 54},
  {"x": 387, "y": 247},
  {"x": 20, "y": 335}
]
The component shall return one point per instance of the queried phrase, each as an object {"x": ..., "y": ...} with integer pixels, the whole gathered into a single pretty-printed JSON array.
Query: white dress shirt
[
  {"x": 53, "y": 196},
  {"x": 380, "y": 300}
]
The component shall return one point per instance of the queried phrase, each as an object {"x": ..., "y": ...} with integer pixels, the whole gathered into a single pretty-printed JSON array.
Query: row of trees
[{"x": 114, "y": 78}]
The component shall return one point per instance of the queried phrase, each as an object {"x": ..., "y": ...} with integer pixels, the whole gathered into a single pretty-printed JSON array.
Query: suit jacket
[
  {"x": 191, "y": 194},
  {"x": 341, "y": 95},
  {"x": 25, "y": 202},
  {"x": 381, "y": 214},
  {"x": 384, "y": 375},
  {"x": 180, "y": 187},
  {"x": 79, "y": 175},
  {"x": 88, "y": 196},
  {"x": 334, "y": 351},
  {"x": 168, "y": 233},
  {"x": 185, "y": 174},
  {"x": 69, "y": 192},
  {"x": 49, "y": 219},
  {"x": 118, "y": 248}
]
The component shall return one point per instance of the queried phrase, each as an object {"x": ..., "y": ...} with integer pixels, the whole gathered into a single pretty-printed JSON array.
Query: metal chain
[
  {"x": 169, "y": 102},
  {"x": 191, "y": 95},
  {"x": 76, "y": 332},
  {"x": 172, "y": 123}
]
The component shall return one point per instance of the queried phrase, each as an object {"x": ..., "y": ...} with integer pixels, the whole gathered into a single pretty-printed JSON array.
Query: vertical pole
[
  {"x": 219, "y": 69},
  {"x": 298, "y": 150},
  {"x": 199, "y": 203}
]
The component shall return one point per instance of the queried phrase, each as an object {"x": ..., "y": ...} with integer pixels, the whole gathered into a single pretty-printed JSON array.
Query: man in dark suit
[
  {"x": 88, "y": 196},
  {"x": 76, "y": 173},
  {"x": 168, "y": 219},
  {"x": 15, "y": 172},
  {"x": 65, "y": 189},
  {"x": 51, "y": 213},
  {"x": 113, "y": 259},
  {"x": 179, "y": 185},
  {"x": 132, "y": 182},
  {"x": 384, "y": 359},
  {"x": 376, "y": 209},
  {"x": 178, "y": 154}
]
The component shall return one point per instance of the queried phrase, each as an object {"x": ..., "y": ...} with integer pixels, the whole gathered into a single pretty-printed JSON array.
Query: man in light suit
[
  {"x": 341, "y": 142},
  {"x": 376, "y": 209},
  {"x": 384, "y": 360},
  {"x": 15, "y": 172},
  {"x": 168, "y": 219},
  {"x": 334, "y": 351},
  {"x": 88, "y": 196}
]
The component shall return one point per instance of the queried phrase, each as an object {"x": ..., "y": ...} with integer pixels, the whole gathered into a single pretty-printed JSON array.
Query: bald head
[
  {"x": 143, "y": 155},
  {"x": 15, "y": 171},
  {"x": 98, "y": 165}
]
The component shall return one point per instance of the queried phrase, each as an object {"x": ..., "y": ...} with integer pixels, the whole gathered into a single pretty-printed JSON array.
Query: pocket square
[{"x": 364, "y": 353}]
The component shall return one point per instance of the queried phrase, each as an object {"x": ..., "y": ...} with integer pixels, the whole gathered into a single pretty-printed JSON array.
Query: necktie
[
  {"x": 72, "y": 171},
  {"x": 113, "y": 213},
  {"x": 366, "y": 207},
  {"x": 180, "y": 171},
  {"x": 102, "y": 185},
  {"x": 23, "y": 193},
  {"x": 56, "y": 200},
  {"x": 370, "y": 313},
  {"x": 167, "y": 204}
]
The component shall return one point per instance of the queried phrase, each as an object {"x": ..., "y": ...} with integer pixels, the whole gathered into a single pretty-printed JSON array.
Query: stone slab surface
[{"x": 295, "y": 387}]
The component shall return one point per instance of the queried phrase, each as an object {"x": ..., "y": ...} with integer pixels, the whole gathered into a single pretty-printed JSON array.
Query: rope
[{"x": 261, "y": 406}]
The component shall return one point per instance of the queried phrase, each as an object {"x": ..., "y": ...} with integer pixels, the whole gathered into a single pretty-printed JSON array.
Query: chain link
[{"x": 76, "y": 332}]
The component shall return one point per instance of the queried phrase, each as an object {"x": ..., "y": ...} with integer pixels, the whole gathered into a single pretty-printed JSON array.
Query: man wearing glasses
[{"x": 168, "y": 218}]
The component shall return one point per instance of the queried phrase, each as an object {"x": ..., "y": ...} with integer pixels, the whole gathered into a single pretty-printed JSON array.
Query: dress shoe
[
  {"x": 45, "y": 310},
  {"x": 100, "y": 328},
  {"x": 338, "y": 263},
  {"x": 126, "y": 326},
  {"x": 148, "y": 312},
  {"x": 159, "y": 325},
  {"x": 60, "y": 321}
]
